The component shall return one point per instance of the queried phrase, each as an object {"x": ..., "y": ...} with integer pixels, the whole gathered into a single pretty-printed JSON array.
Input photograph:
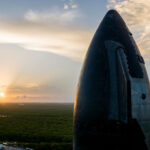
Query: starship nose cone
[{"x": 112, "y": 99}]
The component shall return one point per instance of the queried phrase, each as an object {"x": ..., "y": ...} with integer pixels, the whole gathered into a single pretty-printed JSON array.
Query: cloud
[
  {"x": 53, "y": 31},
  {"x": 74, "y": 6},
  {"x": 66, "y": 6},
  {"x": 70, "y": 4},
  {"x": 55, "y": 15},
  {"x": 137, "y": 16}
]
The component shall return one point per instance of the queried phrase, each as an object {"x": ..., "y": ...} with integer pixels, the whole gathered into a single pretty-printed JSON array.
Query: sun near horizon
[{"x": 2, "y": 94}]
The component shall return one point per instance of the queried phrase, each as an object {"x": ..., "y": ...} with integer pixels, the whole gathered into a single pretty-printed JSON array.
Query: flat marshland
[{"x": 38, "y": 126}]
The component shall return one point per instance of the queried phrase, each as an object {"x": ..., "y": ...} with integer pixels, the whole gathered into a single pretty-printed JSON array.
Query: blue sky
[
  {"x": 93, "y": 11},
  {"x": 43, "y": 44}
]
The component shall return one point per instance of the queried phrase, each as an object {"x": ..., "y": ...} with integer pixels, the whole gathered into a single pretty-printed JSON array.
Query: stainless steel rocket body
[{"x": 112, "y": 104}]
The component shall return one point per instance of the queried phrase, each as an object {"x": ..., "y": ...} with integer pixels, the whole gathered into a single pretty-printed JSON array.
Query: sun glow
[{"x": 2, "y": 94}]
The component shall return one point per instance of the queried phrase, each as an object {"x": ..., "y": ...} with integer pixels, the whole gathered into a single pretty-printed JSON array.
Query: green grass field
[{"x": 38, "y": 126}]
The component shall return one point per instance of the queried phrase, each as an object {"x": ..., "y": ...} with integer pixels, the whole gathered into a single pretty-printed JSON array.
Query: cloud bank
[
  {"x": 137, "y": 16},
  {"x": 53, "y": 31}
]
